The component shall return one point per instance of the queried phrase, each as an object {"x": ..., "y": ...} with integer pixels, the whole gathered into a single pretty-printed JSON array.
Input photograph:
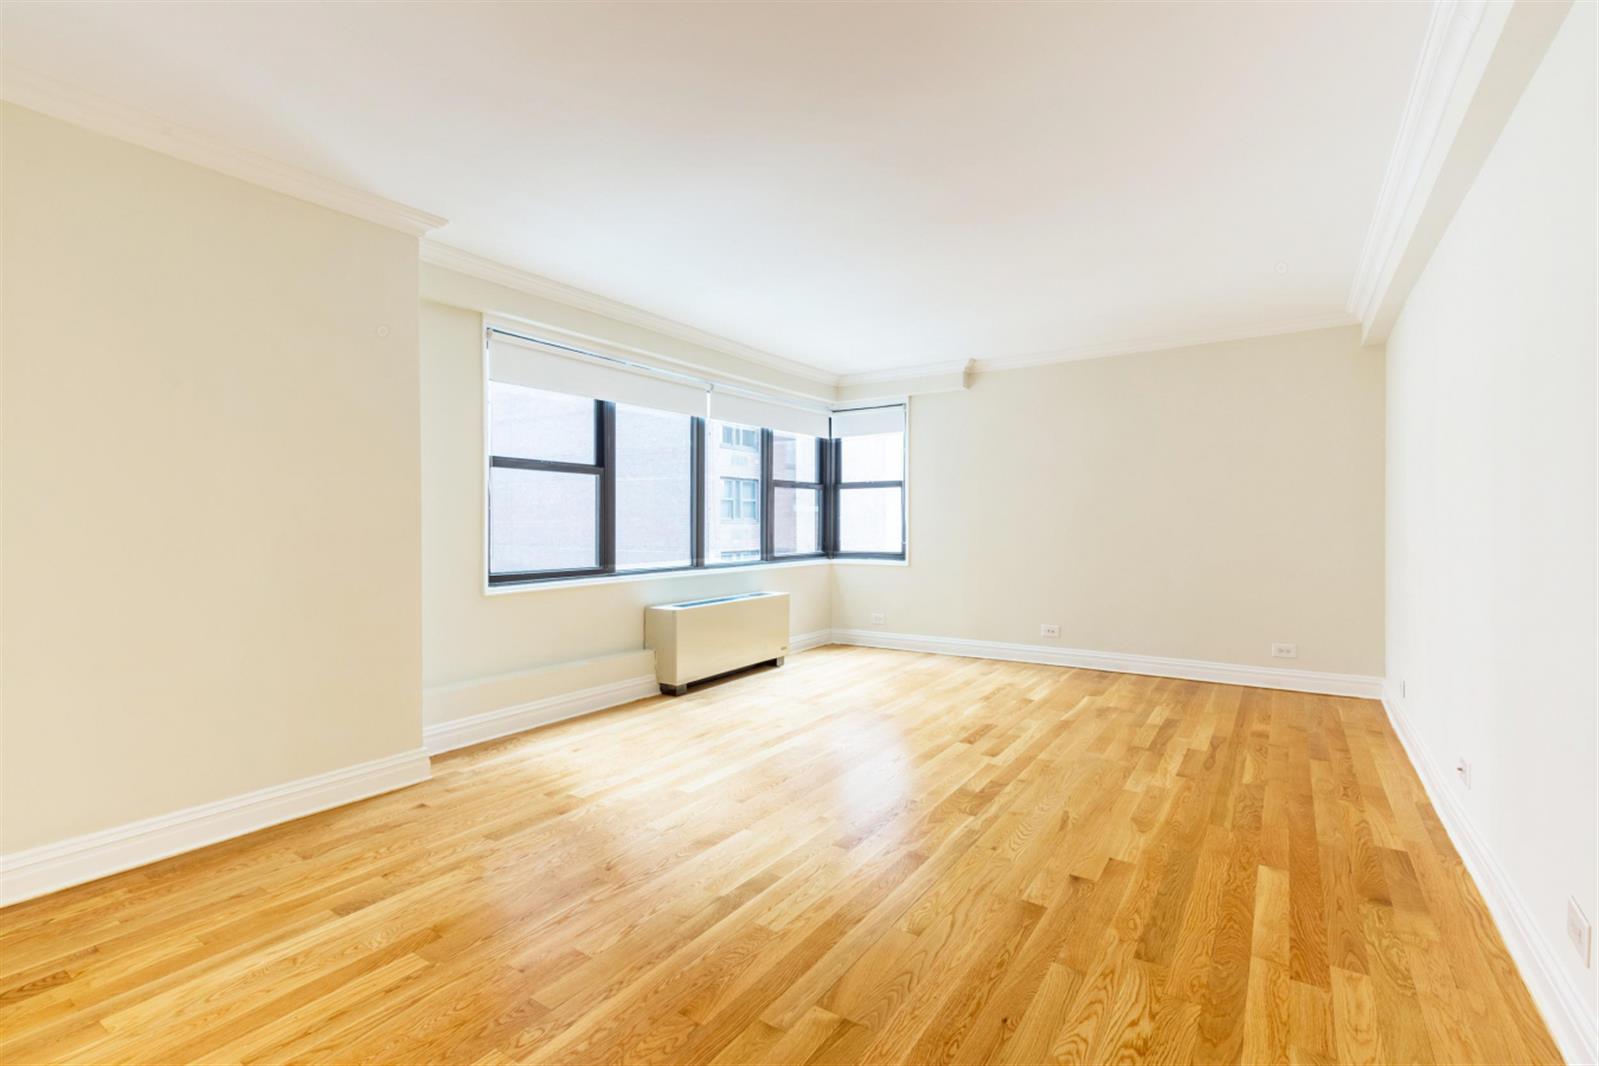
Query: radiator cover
[{"x": 697, "y": 639}]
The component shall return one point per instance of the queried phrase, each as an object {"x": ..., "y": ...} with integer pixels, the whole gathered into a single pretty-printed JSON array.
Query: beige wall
[
  {"x": 1199, "y": 503},
  {"x": 210, "y": 486},
  {"x": 503, "y": 640},
  {"x": 1491, "y": 506}
]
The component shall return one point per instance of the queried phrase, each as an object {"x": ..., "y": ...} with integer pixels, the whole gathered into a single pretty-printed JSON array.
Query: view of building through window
[
  {"x": 579, "y": 487},
  {"x": 733, "y": 467},
  {"x": 654, "y": 489}
]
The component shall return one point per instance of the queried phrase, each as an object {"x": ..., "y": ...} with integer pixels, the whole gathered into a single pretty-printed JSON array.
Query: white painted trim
[
  {"x": 625, "y": 578},
  {"x": 49, "y": 867},
  {"x": 1273, "y": 328},
  {"x": 901, "y": 373},
  {"x": 37, "y": 92},
  {"x": 1477, "y": 58},
  {"x": 520, "y": 717},
  {"x": 1119, "y": 662},
  {"x": 1571, "y": 1021},
  {"x": 1444, "y": 54},
  {"x": 956, "y": 370},
  {"x": 806, "y": 641},
  {"x": 476, "y": 266}
]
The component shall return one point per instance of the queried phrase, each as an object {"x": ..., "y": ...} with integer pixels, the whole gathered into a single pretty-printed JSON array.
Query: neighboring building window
[
  {"x": 741, "y": 437},
  {"x": 739, "y": 502}
]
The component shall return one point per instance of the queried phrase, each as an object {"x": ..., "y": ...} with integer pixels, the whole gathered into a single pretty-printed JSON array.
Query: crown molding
[
  {"x": 477, "y": 266},
  {"x": 902, "y": 373},
  {"x": 1477, "y": 58},
  {"x": 1445, "y": 52},
  {"x": 1271, "y": 328},
  {"x": 100, "y": 114}
]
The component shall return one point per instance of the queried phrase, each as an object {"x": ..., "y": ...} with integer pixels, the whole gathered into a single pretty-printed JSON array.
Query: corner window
[{"x": 598, "y": 466}]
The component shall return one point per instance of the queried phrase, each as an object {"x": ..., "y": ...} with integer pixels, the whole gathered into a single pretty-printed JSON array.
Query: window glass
[
  {"x": 654, "y": 489},
  {"x": 878, "y": 457},
  {"x": 733, "y": 482},
  {"x": 794, "y": 457},
  {"x": 871, "y": 520},
  {"x": 532, "y": 424},
  {"x": 796, "y": 521},
  {"x": 542, "y": 520}
]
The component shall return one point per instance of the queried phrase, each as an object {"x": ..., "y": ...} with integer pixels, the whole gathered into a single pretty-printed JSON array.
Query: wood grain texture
[{"x": 863, "y": 856}]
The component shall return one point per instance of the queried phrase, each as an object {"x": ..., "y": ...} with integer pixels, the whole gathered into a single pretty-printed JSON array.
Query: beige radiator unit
[{"x": 703, "y": 638}]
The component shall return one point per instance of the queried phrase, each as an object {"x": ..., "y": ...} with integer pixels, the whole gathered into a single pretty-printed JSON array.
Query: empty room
[{"x": 778, "y": 532}]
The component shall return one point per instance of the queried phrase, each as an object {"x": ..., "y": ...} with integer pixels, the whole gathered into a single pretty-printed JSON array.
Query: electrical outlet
[
  {"x": 878, "y": 618},
  {"x": 1580, "y": 931},
  {"x": 1285, "y": 651},
  {"x": 1047, "y": 630},
  {"x": 1463, "y": 769}
]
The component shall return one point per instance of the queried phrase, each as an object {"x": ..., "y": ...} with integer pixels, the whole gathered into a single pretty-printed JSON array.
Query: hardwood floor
[{"x": 865, "y": 856}]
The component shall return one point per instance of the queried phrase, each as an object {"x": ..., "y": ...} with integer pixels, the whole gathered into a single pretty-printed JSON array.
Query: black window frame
[
  {"x": 838, "y": 486},
  {"x": 828, "y": 487},
  {"x": 773, "y": 483}
]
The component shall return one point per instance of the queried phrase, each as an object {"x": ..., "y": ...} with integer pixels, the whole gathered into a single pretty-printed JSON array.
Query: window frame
[
  {"x": 827, "y": 486},
  {"x": 838, "y": 486},
  {"x": 773, "y": 483}
]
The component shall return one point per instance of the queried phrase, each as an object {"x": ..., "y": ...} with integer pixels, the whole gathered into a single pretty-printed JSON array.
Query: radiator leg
[{"x": 674, "y": 690}]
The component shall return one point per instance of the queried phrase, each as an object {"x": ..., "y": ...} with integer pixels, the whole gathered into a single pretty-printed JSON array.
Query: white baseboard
[
  {"x": 1121, "y": 663},
  {"x": 1565, "y": 1009},
  {"x": 806, "y": 641},
  {"x": 520, "y": 717},
  {"x": 36, "y": 871},
  {"x": 463, "y": 732}
]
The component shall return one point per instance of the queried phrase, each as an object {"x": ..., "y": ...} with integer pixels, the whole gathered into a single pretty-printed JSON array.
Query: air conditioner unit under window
[{"x": 703, "y": 638}]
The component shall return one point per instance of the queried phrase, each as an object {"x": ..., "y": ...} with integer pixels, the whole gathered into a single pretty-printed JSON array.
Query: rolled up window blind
[
  {"x": 729, "y": 406},
  {"x": 868, "y": 421},
  {"x": 517, "y": 361}
]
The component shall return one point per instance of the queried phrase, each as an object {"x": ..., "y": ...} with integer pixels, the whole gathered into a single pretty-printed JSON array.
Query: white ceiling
[{"x": 857, "y": 187}]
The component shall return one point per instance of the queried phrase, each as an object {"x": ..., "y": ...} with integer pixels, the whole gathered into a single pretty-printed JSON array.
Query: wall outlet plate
[
  {"x": 877, "y": 618},
  {"x": 1463, "y": 771},
  {"x": 1047, "y": 630},
  {"x": 1580, "y": 930},
  {"x": 1285, "y": 651}
]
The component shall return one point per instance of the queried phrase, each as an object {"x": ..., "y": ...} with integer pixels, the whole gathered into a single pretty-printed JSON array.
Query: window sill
[
  {"x": 659, "y": 575},
  {"x": 870, "y": 562}
]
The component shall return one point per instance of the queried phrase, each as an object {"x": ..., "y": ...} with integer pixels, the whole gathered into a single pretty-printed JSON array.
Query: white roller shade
[
  {"x": 748, "y": 411},
  {"x": 866, "y": 421},
  {"x": 518, "y": 362}
]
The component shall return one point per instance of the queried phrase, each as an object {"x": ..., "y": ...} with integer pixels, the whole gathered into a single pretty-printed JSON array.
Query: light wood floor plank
[{"x": 863, "y": 856}]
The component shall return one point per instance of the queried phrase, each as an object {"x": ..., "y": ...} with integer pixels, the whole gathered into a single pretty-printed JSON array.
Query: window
[
  {"x": 869, "y": 483},
  {"x": 739, "y": 501},
  {"x": 545, "y": 483},
  {"x": 796, "y": 495},
  {"x": 596, "y": 470},
  {"x": 654, "y": 489},
  {"x": 733, "y": 530}
]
